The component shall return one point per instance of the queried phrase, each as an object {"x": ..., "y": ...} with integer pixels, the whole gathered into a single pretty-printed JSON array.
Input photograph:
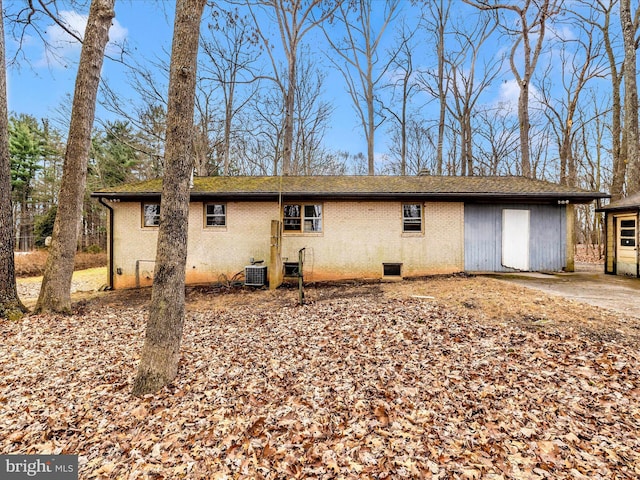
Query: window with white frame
[
  {"x": 411, "y": 217},
  {"x": 303, "y": 218},
  {"x": 150, "y": 214},
  {"x": 215, "y": 215}
]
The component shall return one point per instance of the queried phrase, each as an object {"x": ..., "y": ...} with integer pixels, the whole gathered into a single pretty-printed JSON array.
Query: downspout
[{"x": 110, "y": 246}]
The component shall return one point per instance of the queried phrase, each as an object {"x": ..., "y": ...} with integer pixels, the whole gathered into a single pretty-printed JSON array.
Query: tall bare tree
[
  {"x": 435, "y": 19},
  {"x": 602, "y": 12},
  {"x": 161, "y": 350},
  {"x": 629, "y": 21},
  {"x": 363, "y": 69},
  {"x": 532, "y": 17},
  {"x": 581, "y": 60},
  {"x": 403, "y": 88},
  {"x": 312, "y": 116},
  {"x": 55, "y": 293},
  {"x": 231, "y": 56},
  {"x": 10, "y": 304},
  {"x": 295, "y": 18},
  {"x": 466, "y": 89}
]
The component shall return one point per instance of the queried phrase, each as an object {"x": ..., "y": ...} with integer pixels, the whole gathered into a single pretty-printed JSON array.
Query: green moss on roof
[{"x": 358, "y": 185}]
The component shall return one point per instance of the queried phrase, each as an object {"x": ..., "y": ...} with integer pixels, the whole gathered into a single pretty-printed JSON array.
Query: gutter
[
  {"x": 572, "y": 197},
  {"x": 110, "y": 247}
]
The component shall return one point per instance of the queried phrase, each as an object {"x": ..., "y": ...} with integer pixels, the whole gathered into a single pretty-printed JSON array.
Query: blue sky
[{"x": 41, "y": 86}]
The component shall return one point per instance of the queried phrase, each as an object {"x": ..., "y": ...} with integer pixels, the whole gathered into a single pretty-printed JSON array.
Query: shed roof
[
  {"x": 632, "y": 202},
  {"x": 512, "y": 188}
]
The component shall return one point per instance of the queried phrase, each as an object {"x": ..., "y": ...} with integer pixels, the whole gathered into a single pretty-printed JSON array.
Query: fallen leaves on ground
[{"x": 364, "y": 382}]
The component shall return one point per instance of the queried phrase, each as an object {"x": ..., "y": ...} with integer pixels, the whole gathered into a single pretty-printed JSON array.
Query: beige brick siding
[{"x": 356, "y": 239}]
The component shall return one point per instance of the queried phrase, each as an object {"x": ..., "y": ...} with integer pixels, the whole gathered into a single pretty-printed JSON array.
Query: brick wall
[{"x": 356, "y": 239}]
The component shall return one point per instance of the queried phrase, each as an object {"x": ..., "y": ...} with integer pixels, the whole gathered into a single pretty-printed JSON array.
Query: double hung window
[
  {"x": 412, "y": 217},
  {"x": 215, "y": 215}
]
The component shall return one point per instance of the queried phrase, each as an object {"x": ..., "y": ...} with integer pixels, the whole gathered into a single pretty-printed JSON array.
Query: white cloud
[
  {"x": 507, "y": 100},
  {"x": 63, "y": 48},
  {"x": 508, "y": 96}
]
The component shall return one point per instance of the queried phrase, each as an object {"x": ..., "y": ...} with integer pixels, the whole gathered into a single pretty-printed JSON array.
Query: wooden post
[
  {"x": 276, "y": 273},
  {"x": 300, "y": 277},
  {"x": 571, "y": 238}
]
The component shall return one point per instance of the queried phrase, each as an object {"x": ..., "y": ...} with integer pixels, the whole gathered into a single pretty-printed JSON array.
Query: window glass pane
[
  {"x": 313, "y": 218},
  {"x": 411, "y": 211},
  {"x": 292, "y": 224},
  {"x": 628, "y": 223},
  {"x": 412, "y": 226},
  {"x": 313, "y": 211},
  {"x": 627, "y": 242},
  {"x": 627, "y": 233},
  {"x": 291, "y": 211},
  {"x": 292, "y": 220},
  {"x": 215, "y": 209},
  {"x": 312, "y": 225},
  {"x": 151, "y": 215}
]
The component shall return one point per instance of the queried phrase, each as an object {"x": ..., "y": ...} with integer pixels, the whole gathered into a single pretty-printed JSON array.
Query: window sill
[
  {"x": 303, "y": 234},
  {"x": 412, "y": 234}
]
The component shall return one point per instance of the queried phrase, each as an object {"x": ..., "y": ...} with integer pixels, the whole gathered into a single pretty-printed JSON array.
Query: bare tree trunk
[
  {"x": 10, "y": 305},
  {"x": 287, "y": 147},
  {"x": 618, "y": 159},
  {"x": 359, "y": 49},
  {"x": 442, "y": 88},
  {"x": 629, "y": 29},
  {"x": 533, "y": 17},
  {"x": 161, "y": 350},
  {"x": 55, "y": 293}
]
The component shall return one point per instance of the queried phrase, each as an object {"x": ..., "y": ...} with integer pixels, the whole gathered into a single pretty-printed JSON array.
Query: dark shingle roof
[
  {"x": 362, "y": 187},
  {"x": 632, "y": 202}
]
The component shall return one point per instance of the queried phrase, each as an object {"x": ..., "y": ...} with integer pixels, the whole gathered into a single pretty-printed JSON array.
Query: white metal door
[{"x": 515, "y": 239}]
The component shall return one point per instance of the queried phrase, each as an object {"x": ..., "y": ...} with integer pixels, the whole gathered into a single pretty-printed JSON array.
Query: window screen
[
  {"x": 151, "y": 214},
  {"x": 215, "y": 215},
  {"x": 412, "y": 217}
]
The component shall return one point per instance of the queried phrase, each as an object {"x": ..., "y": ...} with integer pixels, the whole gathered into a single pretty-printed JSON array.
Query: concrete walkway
[{"x": 588, "y": 284}]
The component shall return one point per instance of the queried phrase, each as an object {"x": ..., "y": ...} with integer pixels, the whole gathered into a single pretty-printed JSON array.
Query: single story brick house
[
  {"x": 367, "y": 227},
  {"x": 622, "y": 256}
]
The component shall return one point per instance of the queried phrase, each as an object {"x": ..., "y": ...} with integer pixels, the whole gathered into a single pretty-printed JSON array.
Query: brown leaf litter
[{"x": 444, "y": 378}]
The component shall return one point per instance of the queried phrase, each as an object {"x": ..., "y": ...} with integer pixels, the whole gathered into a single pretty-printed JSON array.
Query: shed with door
[
  {"x": 349, "y": 227},
  {"x": 622, "y": 256}
]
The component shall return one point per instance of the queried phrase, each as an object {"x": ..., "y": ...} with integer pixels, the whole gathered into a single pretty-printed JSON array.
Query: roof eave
[{"x": 573, "y": 197}]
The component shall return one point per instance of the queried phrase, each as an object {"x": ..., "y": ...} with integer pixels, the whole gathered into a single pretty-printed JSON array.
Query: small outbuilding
[
  {"x": 622, "y": 256},
  {"x": 366, "y": 227}
]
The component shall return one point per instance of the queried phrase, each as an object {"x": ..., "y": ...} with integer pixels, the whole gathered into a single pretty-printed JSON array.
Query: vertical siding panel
[
  {"x": 548, "y": 238},
  {"x": 483, "y": 237}
]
